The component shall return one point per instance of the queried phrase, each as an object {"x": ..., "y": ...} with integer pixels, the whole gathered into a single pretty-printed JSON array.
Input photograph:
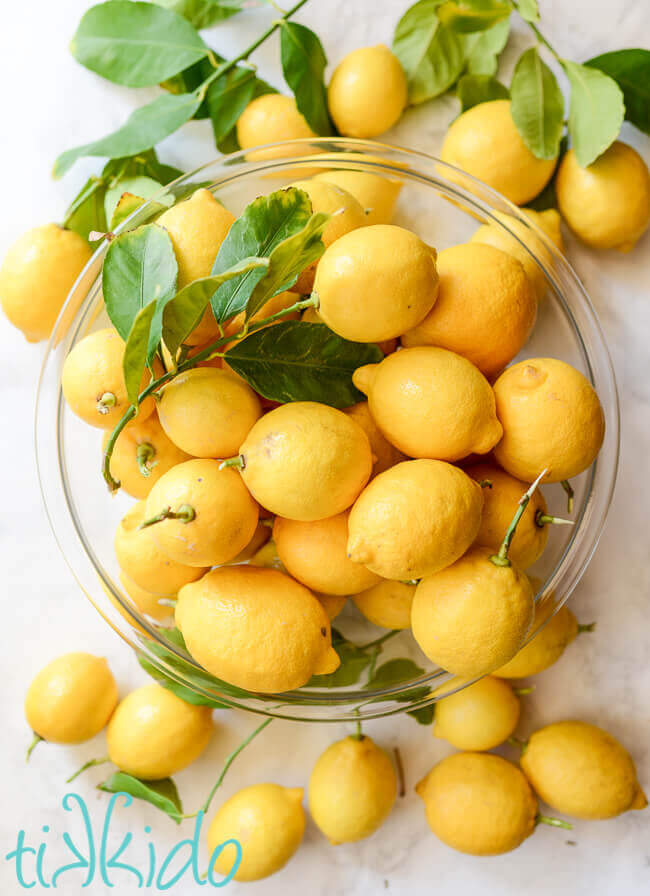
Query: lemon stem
[
  {"x": 358, "y": 733},
  {"x": 400, "y": 772},
  {"x": 144, "y": 454},
  {"x": 520, "y": 744},
  {"x": 86, "y": 765},
  {"x": 545, "y": 519},
  {"x": 105, "y": 402},
  {"x": 185, "y": 514},
  {"x": 566, "y": 485},
  {"x": 523, "y": 692},
  {"x": 501, "y": 559},
  {"x": 553, "y": 822},
  {"x": 485, "y": 483},
  {"x": 237, "y": 462},
  {"x": 33, "y": 745},
  {"x": 590, "y": 627}
]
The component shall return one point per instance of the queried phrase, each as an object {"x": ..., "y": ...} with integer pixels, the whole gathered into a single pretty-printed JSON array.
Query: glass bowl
[{"x": 444, "y": 207}]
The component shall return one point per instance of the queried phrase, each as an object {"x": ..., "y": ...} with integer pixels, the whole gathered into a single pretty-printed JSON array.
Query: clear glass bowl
[{"x": 431, "y": 202}]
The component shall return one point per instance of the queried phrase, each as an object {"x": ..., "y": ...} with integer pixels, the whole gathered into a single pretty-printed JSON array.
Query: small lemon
[
  {"x": 367, "y": 92},
  {"x": 551, "y": 418},
  {"x": 306, "y": 461},
  {"x": 315, "y": 553},
  {"x": 414, "y": 519},
  {"x": 547, "y": 646},
  {"x": 71, "y": 699},
  {"x": 256, "y": 629},
  {"x": 216, "y": 516},
  {"x": 142, "y": 454},
  {"x": 142, "y": 560},
  {"x": 268, "y": 119},
  {"x": 430, "y": 402},
  {"x": 385, "y": 455},
  {"x": 376, "y": 283},
  {"x": 352, "y": 789},
  {"x": 387, "y": 604},
  {"x": 37, "y": 273},
  {"x": 581, "y": 770},
  {"x": 154, "y": 734},
  {"x": 485, "y": 143},
  {"x": 93, "y": 380},
  {"x": 268, "y": 822},
  {"x": 376, "y": 193},
  {"x": 478, "y": 804},
  {"x": 472, "y": 617},
  {"x": 478, "y": 717},
  {"x": 607, "y": 204},
  {"x": 197, "y": 227},
  {"x": 486, "y": 307},
  {"x": 332, "y": 604},
  {"x": 147, "y": 602}
]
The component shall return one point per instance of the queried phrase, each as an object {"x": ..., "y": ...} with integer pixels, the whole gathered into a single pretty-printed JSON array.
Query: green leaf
[
  {"x": 139, "y": 269},
  {"x": 263, "y": 225},
  {"x": 136, "y": 352},
  {"x": 303, "y": 66},
  {"x": 178, "y": 689},
  {"x": 135, "y": 44},
  {"x": 631, "y": 71},
  {"x": 145, "y": 163},
  {"x": 161, "y": 794},
  {"x": 537, "y": 105},
  {"x": 190, "y": 80},
  {"x": 424, "y": 715},
  {"x": 229, "y": 143},
  {"x": 203, "y": 13},
  {"x": 596, "y": 111},
  {"x": 475, "y": 89},
  {"x": 354, "y": 661},
  {"x": 482, "y": 48},
  {"x": 86, "y": 211},
  {"x": 182, "y": 313},
  {"x": 393, "y": 672},
  {"x": 528, "y": 10},
  {"x": 227, "y": 98},
  {"x": 143, "y": 129},
  {"x": 298, "y": 361},
  {"x": 140, "y": 185},
  {"x": 466, "y": 16}
]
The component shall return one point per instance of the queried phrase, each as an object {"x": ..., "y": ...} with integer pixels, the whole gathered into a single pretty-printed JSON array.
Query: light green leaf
[
  {"x": 537, "y": 105},
  {"x": 203, "y": 13},
  {"x": 431, "y": 54},
  {"x": 86, "y": 212},
  {"x": 227, "y": 98},
  {"x": 475, "y": 89},
  {"x": 631, "y": 71},
  {"x": 466, "y": 16},
  {"x": 596, "y": 111},
  {"x": 482, "y": 48},
  {"x": 161, "y": 794},
  {"x": 528, "y": 10},
  {"x": 140, "y": 185},
  {"x": 393, "y": 672},
  {"x": 172, "y": 685},
  {"x": 136, "y": 351},
  {"x": 303, "y": 66}
]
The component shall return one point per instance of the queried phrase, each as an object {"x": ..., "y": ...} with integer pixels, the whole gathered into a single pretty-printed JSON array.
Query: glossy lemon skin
[
  {"x": 71, "y": 699},
  {"x": 387, "y": 604},
  {"x": 269, "y": 119},
  {"x": 547, "y": 646},
  {"x": 376, "y": 194},
  {"x": 478, "y": 717}
]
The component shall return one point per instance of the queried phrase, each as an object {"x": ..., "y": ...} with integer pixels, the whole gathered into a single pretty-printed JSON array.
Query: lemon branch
[
  {"x": 185, "y": 513},
  {"x": 502, "y": 559},
  {"x": 33, "y": 745}
]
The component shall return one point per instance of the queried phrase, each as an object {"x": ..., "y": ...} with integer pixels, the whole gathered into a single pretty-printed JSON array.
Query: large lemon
[
  {"x": 478, "y": 717},
  {"x": 376, "y": 193}
]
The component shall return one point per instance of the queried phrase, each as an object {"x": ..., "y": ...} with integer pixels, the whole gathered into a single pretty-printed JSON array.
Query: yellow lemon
[
  {"x": 268, "y": 119},
  {"x": 478, "y": 804},
  {"x": 367, "y": 92},
  {"x": 315, "y": 553},
  {"x": 478, "y": 717},
  {"x": 385, "y": 455},
  {"x": 581, "y": 770},
  {"x": 332, "y": 604},
  {"x": 93, "y": 380},
  {"x": 551, "y": 418},
  {"x": 486, "y": 307},
  {"x": 414, "y": 519},
  {"x": 207, "y": 514},
  {"x": 311, "y": 316},
  {"x": 376, "y": 283},
  {"x": 147, "y": 602},
  {"x": 352, "y": 789},
  {"x": 275, "y": 303},
  {"x": 607, "y": 204},
  {"x": 154, "y": 734},
  {"x": 472, "y": 617},
  {"x": 547, "y": 646},
  {"x": 306, "y": 461},
  {"x": 256, "y": 629},
  {"x": 387, "y": 604},
  {"x": 268, "y": 822},
  {"x": 376, "y": 193},
  {"x": 485, "y": 143},
  {"x": 261, "y": 535},
  {"x": 71, "y": 699}
]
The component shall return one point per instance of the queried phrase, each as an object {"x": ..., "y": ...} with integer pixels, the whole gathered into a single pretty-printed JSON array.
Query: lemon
[
  {"x": 267, "y": 820},
  {"x": 142, "y": 560},
  {"x": 501, "y": 499},
  {"x": 486, "y": 307},
  {"x": 485, "y": 143},
  {"x": 71, "y": 699},
  {"x": 547, "y": 646},
  {"x": 367, "y": 92},
  {"x": 275, "y": 303},
  {"x": 387, "y": 604},
  {"x": 332, "y": 604},
  {"x": 414, "y": 519},
  {"x": 430, "y": 402},
  {"x": 142, "y": 454},
  {"x": 376, "y": 283},
  {"x": 147, "y": 602},
  {"x": 311, "y": 316},
  {"x": 154, "y": 734},
  {"x": 36, "y": 275},
  {"x": 255, "y": 628},
  {"x": 315, "y": 553},
  {"x": 478, "y": 804},
  {"x": 261, "y": 535},
  {"x": 269, "y": 119},
  {"x": 376, "y": 193},
  {"x": 581, "y": 770},
  {"x": 306, "y": 461},
  {"x": 478, "y": 717},
  {"x": 217, "y": 514},
  {"x": 352, "y": 789},
  {"x": 384, "y": 454},
  {"x": 607, "y": 204},
  {"x": 472, "y": 617},
  {"x": 551, "y": 418},
  {"x": 93, "y": 380}
]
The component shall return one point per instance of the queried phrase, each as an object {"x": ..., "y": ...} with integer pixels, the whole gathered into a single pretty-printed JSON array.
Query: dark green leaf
[
  {"x": 139, "y": 185},
  {"x": 528, "y": 10},
  {"x": 393, "y": 672},
  {"x": 227, "y": 98},
  {"x": 190, "y": 79},
  {"x": 144, "y": 128},
  {"x": 431, "y": 54},
  {"x": 86, "y": 212},
  {"x": 424, "y": 715},
  {"x": 482, "y": 48},
  {"x": 354, "y": 661},
  {"x": 631, "y": 71},
  {"x": 475, "y": 89},
  {"x": 145, "y": 163},
  {"x": 161, "y": 794},
  {"x": 596, "y": 111},
  {"x": 178, "y": 689},
  {"x": 297, "y": 361},
  {"x": 537, "y": 105},
  {"x": 135, "y": 44},
  {"x": 203, "y": 13},
  {"x": 303, "y": 67},
  {"x": 466, "y": 16},
  {"x": 136, "y": 352}
]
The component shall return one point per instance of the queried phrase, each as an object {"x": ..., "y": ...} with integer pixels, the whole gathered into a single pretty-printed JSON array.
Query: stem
[
  {"x": 237, "y": 462},
  {"x": 538, "y": 34},
  {"x": 566, "y": 485},
  {"x": 485, "y": 483},
  {"x": 553, "y": 822},
  {"x": 517, "y": 742},
  {"x": 144, "y": 454},
  {"x": 105, "y": 402},
  {"x": 379, "y": 641},
  {"x": 523, "y": 692},
  {"x": 586, "y": 628},
  {"x": 544, "y": 519},
  {"x": 185, "y": 514},
  {"x": 400, "y": 772},
  {"x": 89, "y": 764},
  {"x": 33, "y": 745},
  {"x": 501, "y": 559},
  {"x": 358, "y": 733}
]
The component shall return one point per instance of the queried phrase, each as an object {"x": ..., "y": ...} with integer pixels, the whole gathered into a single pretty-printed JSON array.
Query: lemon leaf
[
  {"x": 482, "y": 48},
  {"x": 178, "y": 689},
  {"x": 466, "y": 16},
  {"x": 136, "y": 351},
  {"x": 431, "y": 54},
  {"x": 162, "y": 794},
  {"x": 631, "y": 71},
  {"x": 537, "y": 106},
  {"x": 393, "y": 672},
  {"x": 528, "y": 10},
  {"x": 596, "y": 111},
  {"x": 475, "y": 89},
  {"x": 303, "y": 66},
  {"x": 203, "y": 13}
]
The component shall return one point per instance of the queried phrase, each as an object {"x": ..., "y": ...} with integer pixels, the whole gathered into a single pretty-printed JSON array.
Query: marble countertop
[{"x": 48, "y": 104}]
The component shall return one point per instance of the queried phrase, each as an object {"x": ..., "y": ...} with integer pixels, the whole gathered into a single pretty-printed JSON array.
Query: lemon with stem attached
[
  {"x": 387, "y": 604},
  {"x": 367, "y": 93},
  {"x": 376, "y": 193},
  {"x": 478, "y": 717}
]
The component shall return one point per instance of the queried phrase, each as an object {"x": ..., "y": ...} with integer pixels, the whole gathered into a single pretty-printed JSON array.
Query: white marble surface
[{"x": 48, "y": 104}]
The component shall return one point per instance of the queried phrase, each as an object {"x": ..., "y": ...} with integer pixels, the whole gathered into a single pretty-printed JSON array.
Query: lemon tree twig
[
  {"x": 33, "y": 745},
  {"x": 501, "y": 559},
  {"x": 90, "y": 764}
]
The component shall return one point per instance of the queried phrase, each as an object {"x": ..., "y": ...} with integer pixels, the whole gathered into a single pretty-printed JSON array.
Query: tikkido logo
[{"x": 95, "y": 862}]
